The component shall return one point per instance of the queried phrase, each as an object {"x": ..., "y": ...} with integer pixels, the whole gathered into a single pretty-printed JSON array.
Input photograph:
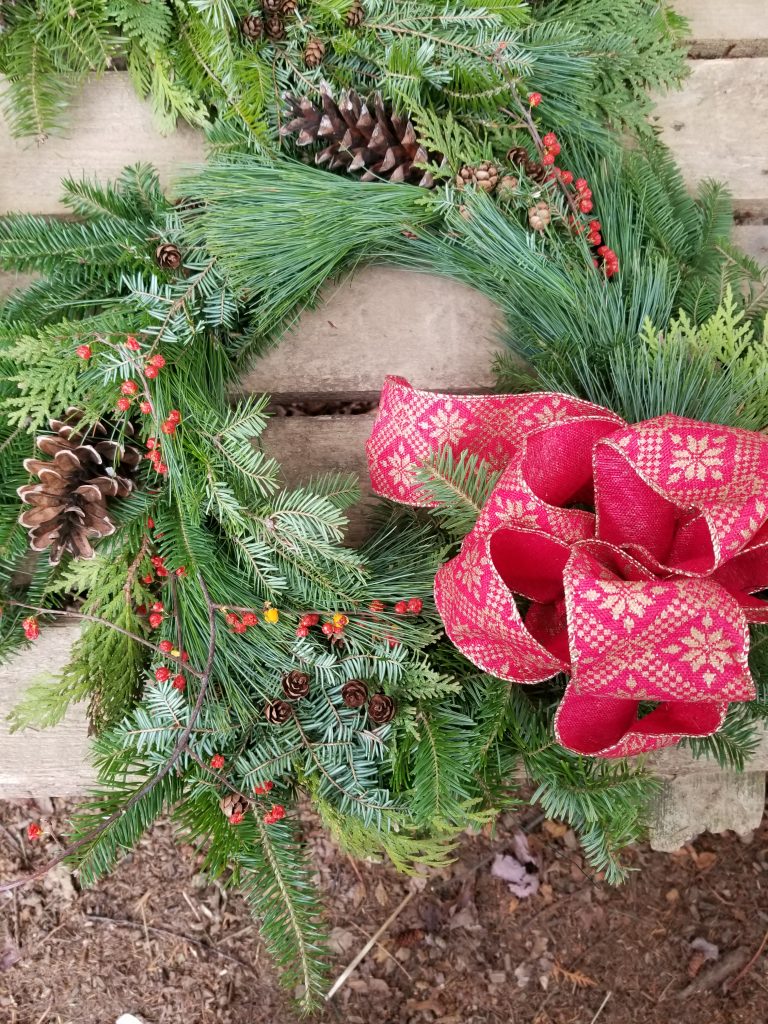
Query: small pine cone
[
  {"x": 277, "y": 712},
  {"x": 409, "y": 938},
  {"x": 288, "y": 8},
  {"x": 537, "y": 172},
  {"x": 272, "y": 6},
  {"x": 354, "y": 693},
  {"x": 233, "y": 804},
  {"x": 314, "y": 53},
  {"x": 507, "y": 186},
  {"x": 486, "y": 176},
  {"x": 517, "y": 156},
  {"x": 274, "y": 27},
  {"x": 168, "y": 256},
  {"x": 296, "y": 685},
  {"x": 465, "y": 176},
  {"x": 381, "y": 708},
  {"x": 539, "y": 217},
  {"x": 252, "y": 27},
  {"x": 355, "y": 15}
]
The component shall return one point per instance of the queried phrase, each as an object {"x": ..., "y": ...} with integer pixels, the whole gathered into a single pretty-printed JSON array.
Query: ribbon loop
[{"x": 644, "y": 601}]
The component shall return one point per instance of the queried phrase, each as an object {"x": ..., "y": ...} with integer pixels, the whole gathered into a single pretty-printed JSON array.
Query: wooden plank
[
  {"x": 437, "y": 333},
  {"x": 714, "y": 19},
  {"x": 716, "y": 124},
  {"x": 753, "y": 239},
  {"x": 110, "y": 128},
  {"x": 51, "y": 762},
  {"x": 10, "y": 281},
  {"x": 706, "y": 801}
]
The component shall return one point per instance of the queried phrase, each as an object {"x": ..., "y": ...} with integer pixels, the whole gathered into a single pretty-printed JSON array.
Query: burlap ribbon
[{"x": 636, "y": 551}]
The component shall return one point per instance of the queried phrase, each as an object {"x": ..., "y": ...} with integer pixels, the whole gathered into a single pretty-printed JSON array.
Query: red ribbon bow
[{"x": 646, "y": 598}]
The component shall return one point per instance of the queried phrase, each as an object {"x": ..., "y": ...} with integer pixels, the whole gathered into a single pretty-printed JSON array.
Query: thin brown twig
[
  {"x": 178, "y": 750},
  {"x": 126, "y": 922},
  {"x": 133, "y": 569}
]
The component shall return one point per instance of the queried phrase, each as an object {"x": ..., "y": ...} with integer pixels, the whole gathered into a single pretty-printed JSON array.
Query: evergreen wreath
[{"x": 234, "y": 653}]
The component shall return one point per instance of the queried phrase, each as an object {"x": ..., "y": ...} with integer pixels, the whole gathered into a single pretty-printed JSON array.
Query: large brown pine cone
[
  {"x": 274, "y": 27},
  {"x": 277, "y": 712},
  {"x": 377, "y": 144},
  {"x": 296, "y": 685},
  {"x": 288, "y": 8},
  {"x": 168, "y": 256},
  {"x": 252, "y": 27},
  {"x": 354, "y": 693},
  {"x": 69, "y": 504},
  {"x": 381, "y": 708},
  {"x": 355, "y": 15}
]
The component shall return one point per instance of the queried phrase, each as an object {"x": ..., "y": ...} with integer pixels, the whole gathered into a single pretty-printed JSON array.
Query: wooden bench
[{"x": 443, "y": 340}]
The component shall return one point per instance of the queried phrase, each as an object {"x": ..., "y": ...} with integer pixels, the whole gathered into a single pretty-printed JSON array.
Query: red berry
[
  {"x": 232, "y": 619},
  {"x": 168, "y": 427},
  {"x": 174, "y": 416},
  {"x": 157, "y": 560},
  {"x": 146, "y": 407},
  {"x": 165, "y": 646},
  {"x": 250, "y": 619},
  {"x": 534, "y": 98},
  {"x": 603, "y": 250},
  {"x": 162, "y": 572},
  {"x": 141, "y": 609},
  {"x": 162, "y": 674},
  {"x": 554, "y": 148},
  {"x": 268, "y": 786},
  {"x": 151, "y": 443},
  {"x": 179, "y": 683},
  {"x": 415, "y": 605},
  {"x": 158, "y": 606},
  {"x": 84, "y": 351},
  {"x": 302, "y": 631},
  {"x": 155, "y": 620},
  {"x": 157, "y": 361},
  {"x": 129, "y": 387},
  {"x": 377, "y": 606},
  {"x": 236, "y": 818},
  {"x": 401, "y": 607},
  {"x": 217, "y": 761},
  {"x": 549, "y": 139},
  {"x": 581, "y": 184},
  {"x": 132, "y": 344},
  {"x": 34, "y": 832},
  {"x": 585, "y": 205},
  {"x": 162, "y": 469},
  {"x": 150, "y": 522},
  {"x": 184, "y": 657},
  {"x": 123, "y": 404},
  {"x": 239, "y": 627},
  {"x": 181, "y": 571},
  {"x": 595, "y": 225},
  {"x": 151, "y": 372},
  {"x": 328, "y": 628},
  {"x": 391, "y": 641},
  {"x": 31, "y": 627},
  {"x": 548, "y": 159},
  {"x": 594, "y": 239},
  {"x": 567, "y": 177},
  {"x": 310, "y": 619}
]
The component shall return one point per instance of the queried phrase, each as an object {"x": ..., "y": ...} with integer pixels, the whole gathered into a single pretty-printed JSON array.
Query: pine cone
[
  {"x": 381, "y": 708},
  {"x": 354, "y": 693},
  {"x": 274, "y": 27},
  {"x": 252, "y": 27},
  {"x": 507, "y": 186},
  {"x": 233, "y": 804},
  {"x": 69, "y": 505},
  {"x": 277, "y": 712},
  {"x": 168, "y": 256},
  {"x": 519, "y": 157},
  {"x": 272, "y": 6},
  {"x": 296, "y": 685},
  {"x": 289, "y": 8},
  {"x": 539, "y": 216},
  {"x": 355, "y": 15},
  {"x": 380, "y": 144},
  {"x": 485, "y": 176},
  {"x": 314, "y": 53}
]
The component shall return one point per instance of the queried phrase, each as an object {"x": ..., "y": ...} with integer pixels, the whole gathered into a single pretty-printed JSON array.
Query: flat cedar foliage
[{"x": 182, "y": 694}]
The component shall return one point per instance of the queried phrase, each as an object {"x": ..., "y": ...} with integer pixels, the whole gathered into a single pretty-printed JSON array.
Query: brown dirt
[{"x": 464, "y": 951}]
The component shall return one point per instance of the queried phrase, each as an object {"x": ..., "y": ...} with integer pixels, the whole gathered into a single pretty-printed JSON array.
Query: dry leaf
[
  {"x": 706, "y": 860},
  {"x": 556, "y": 829},
  {"x": 577, "y": 978},
  {"x": 518, "y": 869}
]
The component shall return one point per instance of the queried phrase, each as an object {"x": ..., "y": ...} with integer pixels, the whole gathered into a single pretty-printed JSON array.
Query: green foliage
[{"x": 459, "y": 487}]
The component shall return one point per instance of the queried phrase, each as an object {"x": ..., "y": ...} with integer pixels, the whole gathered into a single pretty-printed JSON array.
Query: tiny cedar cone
[
  {"x": 252, "y": 26},
  {"x": 168, "y": 256},
  {"x": 295, "y": 685},
  {"x": 354, "y": 693},
  {"x": 381, "y": 708},
  {"x": 355, "y": 15},
  {"x": 314, "y": 53},
  {"x": 277, "y": 712}
]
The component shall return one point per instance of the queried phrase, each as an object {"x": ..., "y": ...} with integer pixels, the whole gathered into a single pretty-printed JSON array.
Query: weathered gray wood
[
  {"x": 716, "y": 19},
  {"x": 51, "y": 762},
  {"x": 753, "y": 239},
  {"x": 110, "y": 128},
  {"x": 706, "y": 801},
  {"x": 716, "y": 127},
  {"x": 439, "y": 334}
]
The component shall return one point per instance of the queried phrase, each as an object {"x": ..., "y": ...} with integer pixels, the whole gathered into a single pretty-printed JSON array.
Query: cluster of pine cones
[{"x": 270, "y": 22}]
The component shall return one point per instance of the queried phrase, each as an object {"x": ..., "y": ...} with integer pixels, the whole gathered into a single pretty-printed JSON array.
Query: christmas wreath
[{"x": 235, "y": 654}]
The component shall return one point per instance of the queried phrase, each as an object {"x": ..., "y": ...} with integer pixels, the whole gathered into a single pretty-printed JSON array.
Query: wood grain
[
  {"x": 717, "y": 125},
  {"x": 716, "y": 19},
  {"x": 437, "y": 333},
  {"x": 110, "y": 128}
]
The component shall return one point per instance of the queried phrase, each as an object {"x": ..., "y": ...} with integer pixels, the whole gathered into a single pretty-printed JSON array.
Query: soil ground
[{"x": 684, "y": 940}]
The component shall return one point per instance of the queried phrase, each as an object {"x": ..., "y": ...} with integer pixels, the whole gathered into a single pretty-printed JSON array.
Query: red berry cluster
[
  {"x": 264, "y": 788},
  {"x": 534, "y": 98},
  {"x": 413, "y": 606},
  {"x": 173, "y": 420},
  {"x": 275, "y": 814},
  {"x": 84, "y": 351},
  {"x": 153, "y": 366},
  {"x": 606, "y": 257},
  {"x": 241, "y": 625},
  {"x": 156, "y": 456},
  {"x": 31, "y": 627},
  {"x": 333, "y": 628},
  {"x": 551, "y": 149},
  {"x": 217, "y": 761}
]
